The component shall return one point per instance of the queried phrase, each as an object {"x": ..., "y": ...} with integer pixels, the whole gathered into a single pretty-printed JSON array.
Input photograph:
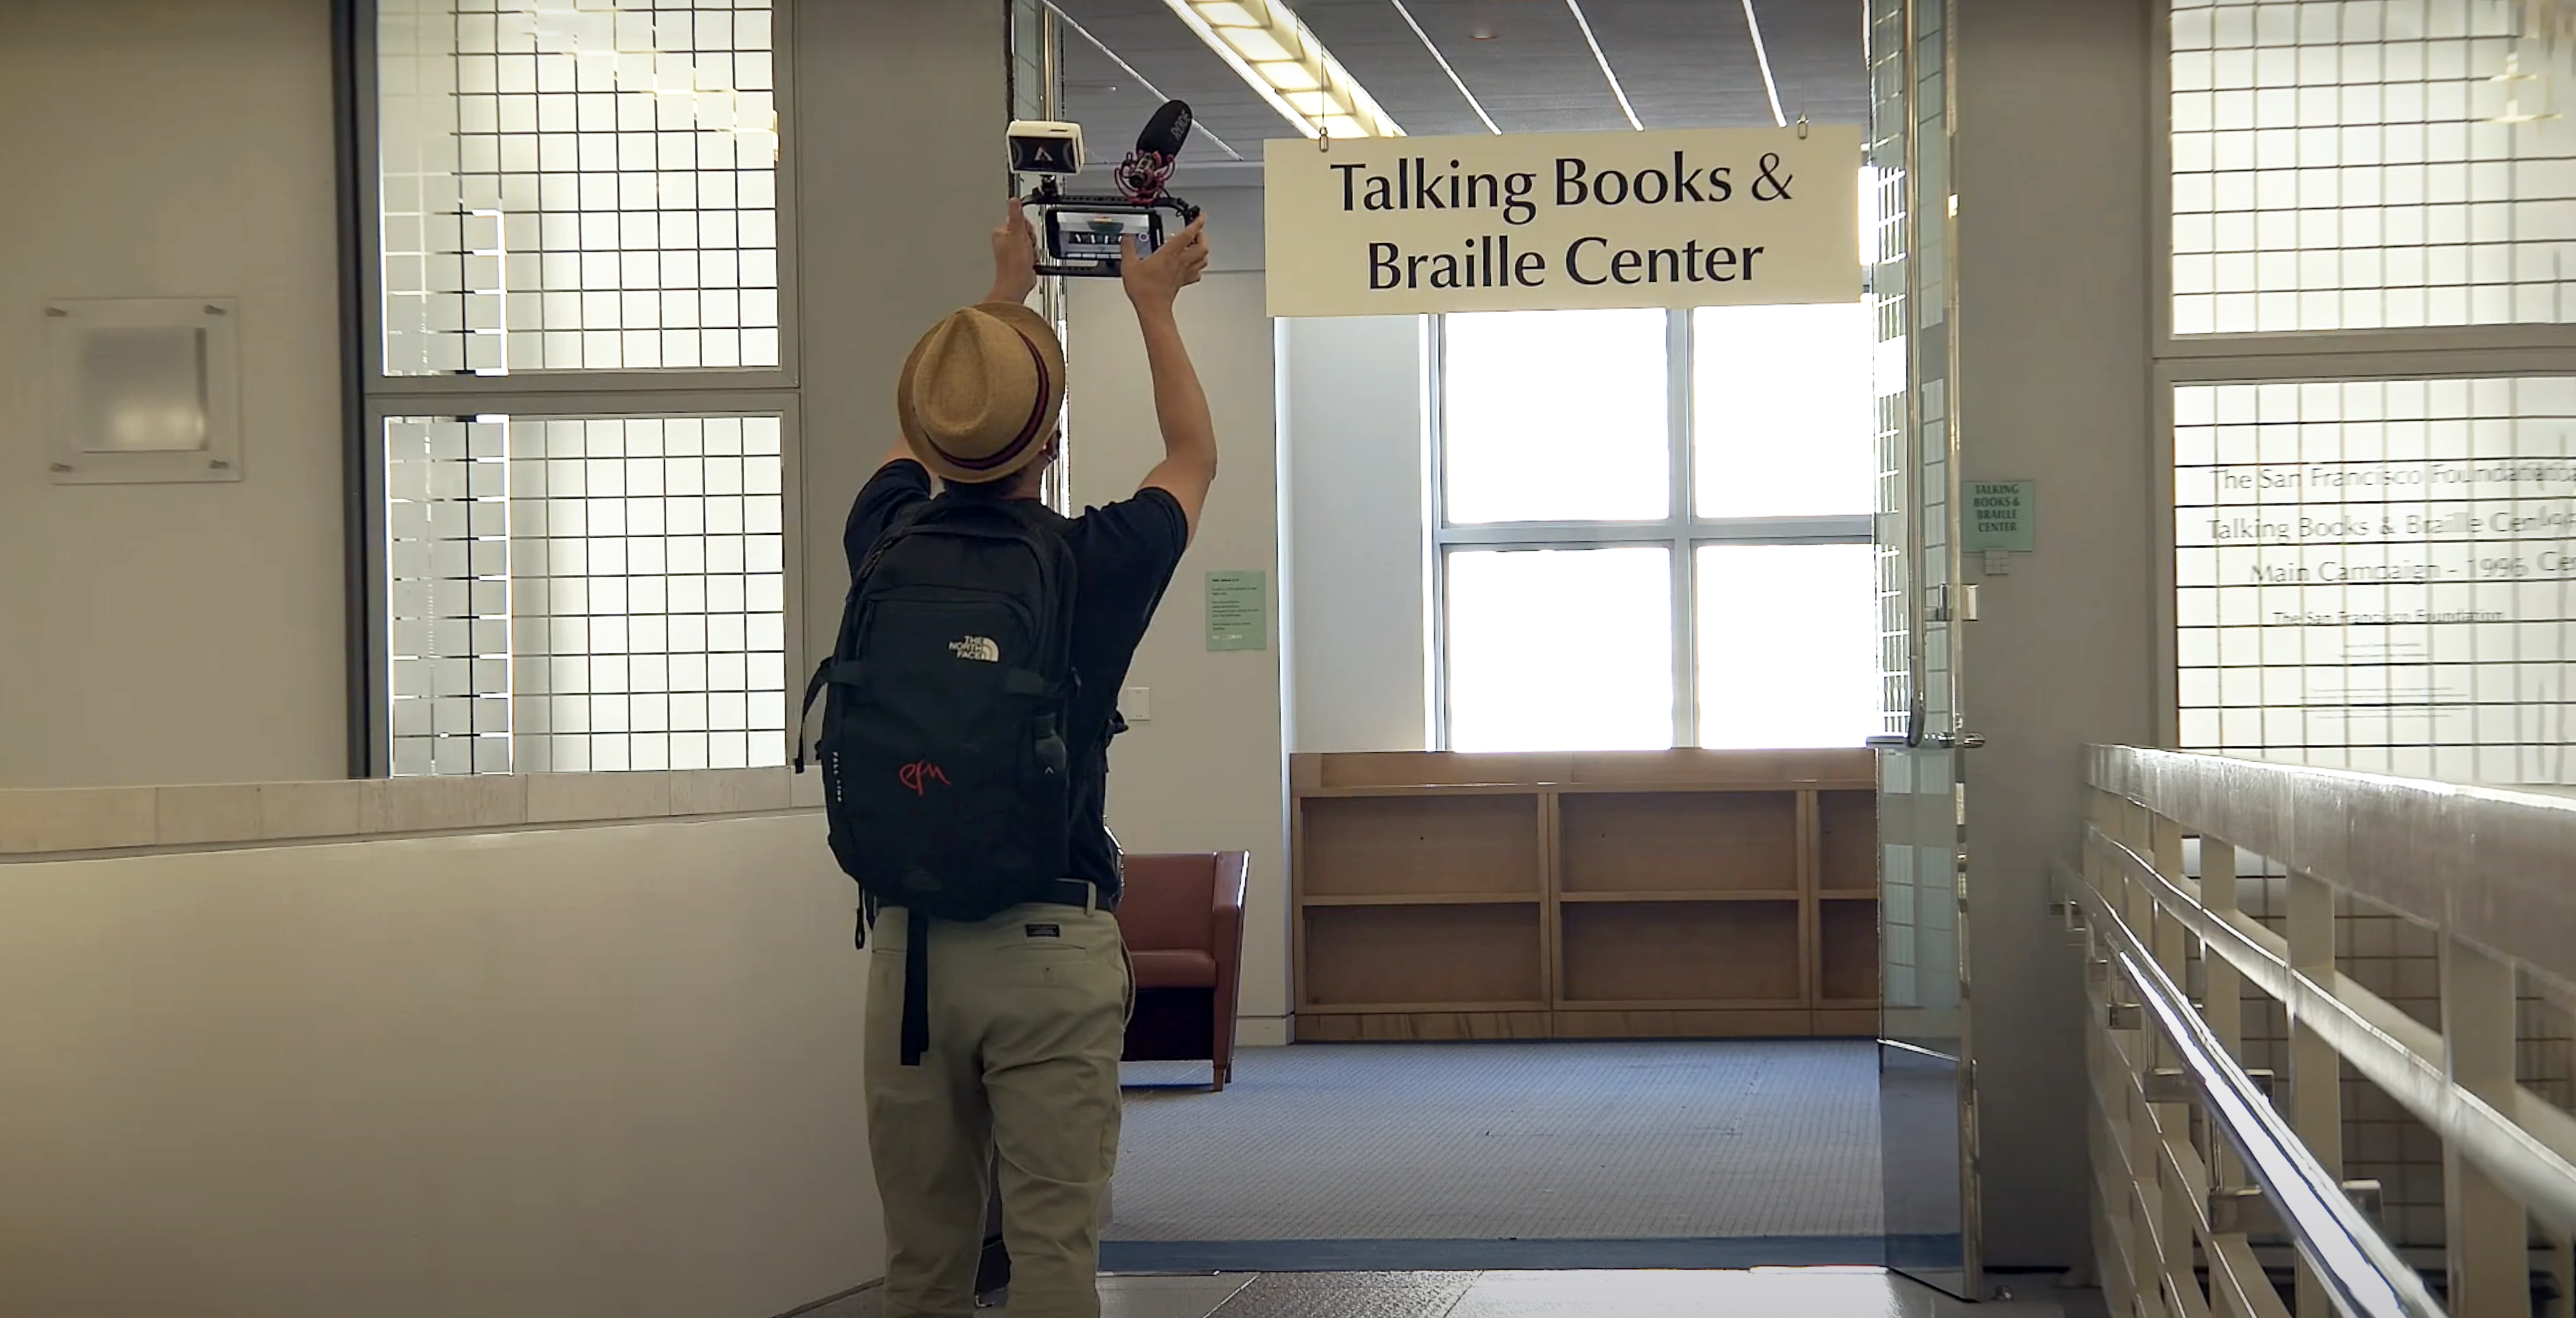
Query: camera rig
[{"x": 1079, "y": 234}]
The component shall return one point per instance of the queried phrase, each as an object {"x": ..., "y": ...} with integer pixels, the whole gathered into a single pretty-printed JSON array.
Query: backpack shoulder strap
[
  {"x": 903, "y": 523},
  {"x": 1064, "y": 571}
]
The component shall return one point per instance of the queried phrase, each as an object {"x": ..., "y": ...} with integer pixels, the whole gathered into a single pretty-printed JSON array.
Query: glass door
[{"x": 1927, "y": 1089}]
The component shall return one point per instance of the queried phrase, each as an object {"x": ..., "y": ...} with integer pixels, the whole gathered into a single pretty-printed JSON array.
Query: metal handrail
[
  {"x": 2484, "y": 864},
  {"x": 2364, "y": 1277},
  {"x": 2531, "y": 1149}
]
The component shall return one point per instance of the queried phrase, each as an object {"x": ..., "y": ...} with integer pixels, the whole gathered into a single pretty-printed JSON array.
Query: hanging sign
[{"x": 1548, "y": 221}]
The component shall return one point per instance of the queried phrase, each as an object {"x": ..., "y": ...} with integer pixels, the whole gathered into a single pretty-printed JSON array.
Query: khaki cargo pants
[{"x": 1028, "y": 1015}]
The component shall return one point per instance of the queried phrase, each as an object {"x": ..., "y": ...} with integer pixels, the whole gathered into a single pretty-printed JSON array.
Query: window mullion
[
  {"x": 1435, "y": 416},
  {"x": 1677, "y": 368}
]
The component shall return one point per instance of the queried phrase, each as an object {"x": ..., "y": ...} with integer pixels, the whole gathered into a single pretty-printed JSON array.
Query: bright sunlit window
[
  {"x": 1788, "y": 644},
  {"x": 1563, "y": 649},
  {"x": 1557, "y": 417},
  {"x": 1619, "y": 572},
  {"x": 1782, "y": 417}
]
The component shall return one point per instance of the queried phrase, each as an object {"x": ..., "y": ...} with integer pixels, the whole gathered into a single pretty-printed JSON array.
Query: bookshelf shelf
[{"x": 1656, "y": 894}]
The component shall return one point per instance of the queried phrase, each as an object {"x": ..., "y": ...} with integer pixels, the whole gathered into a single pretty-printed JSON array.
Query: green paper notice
[
  {"x": 1238, "y": 611},
  {"x": 1998, "y": 516}
]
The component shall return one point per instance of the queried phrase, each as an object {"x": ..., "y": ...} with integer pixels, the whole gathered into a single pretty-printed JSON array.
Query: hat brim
[{"x": 1041, "y": 337}]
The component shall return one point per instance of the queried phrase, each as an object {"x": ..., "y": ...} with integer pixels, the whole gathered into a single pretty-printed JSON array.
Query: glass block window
[
  {"x": 2367, "y": 164},
  {"x": 586, "y": 593},
  {"x": 577, "y": 185},
  {"x": 2380, "y": 575}
]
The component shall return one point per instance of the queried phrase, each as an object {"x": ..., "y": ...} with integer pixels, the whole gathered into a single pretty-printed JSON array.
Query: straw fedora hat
[{"x": 980, "y": 394}]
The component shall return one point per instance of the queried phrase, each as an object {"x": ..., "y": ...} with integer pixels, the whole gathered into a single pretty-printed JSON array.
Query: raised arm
[{"x": 1180, "y": 404}]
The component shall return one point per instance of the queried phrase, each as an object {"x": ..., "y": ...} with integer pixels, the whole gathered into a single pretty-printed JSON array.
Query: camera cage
[{"x": 1049, "y": 196}]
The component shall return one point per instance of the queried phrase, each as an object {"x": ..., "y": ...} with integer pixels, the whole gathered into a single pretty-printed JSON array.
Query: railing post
[
  {"x": 2111, "y": 1204},
  {"x": 2181, "y": 1201},
  {"x": 2111, "y": 815},
  {"x": 2222, "y": 985},
  {"x": 2148, "y": 1263},
  {"x": 2316, "y": 1072},
  {"x": 2562, "y": 1266},
  {"x": 2139, "y": 905},
  {"x": 2490, "y": 1240}
]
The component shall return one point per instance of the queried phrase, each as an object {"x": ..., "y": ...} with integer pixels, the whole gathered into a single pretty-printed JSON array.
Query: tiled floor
[{"x": 1798, "y": 1293}]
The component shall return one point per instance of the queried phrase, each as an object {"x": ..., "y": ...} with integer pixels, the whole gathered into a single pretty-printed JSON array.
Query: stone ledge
[{"x": 43, "y": 821}]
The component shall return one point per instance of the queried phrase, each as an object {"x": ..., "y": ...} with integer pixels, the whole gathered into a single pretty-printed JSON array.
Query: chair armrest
[
  {"x": 1225, "y": 916},
  {"x": 1226, "y": 941},
  {"x": 1233, "y": 868}
]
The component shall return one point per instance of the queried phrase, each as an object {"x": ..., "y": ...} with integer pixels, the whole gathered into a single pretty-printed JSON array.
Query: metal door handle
[{"x": 1912, "y": 736}]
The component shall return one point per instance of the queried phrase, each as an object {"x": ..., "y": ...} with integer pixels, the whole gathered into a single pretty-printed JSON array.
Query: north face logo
[{"x": 981, "y": 649}]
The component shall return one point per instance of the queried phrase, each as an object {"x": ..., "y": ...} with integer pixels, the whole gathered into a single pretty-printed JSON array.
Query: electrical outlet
[{"x": 1136, "y": 703}]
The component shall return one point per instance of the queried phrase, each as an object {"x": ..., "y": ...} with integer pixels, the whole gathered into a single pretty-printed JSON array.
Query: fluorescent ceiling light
[
  {"x": 1254, "y": 44},
  {"x": 1220, "y": 13},
  {"x": 1277, "y": 55},
  {"x": 1288, "y": 76}
]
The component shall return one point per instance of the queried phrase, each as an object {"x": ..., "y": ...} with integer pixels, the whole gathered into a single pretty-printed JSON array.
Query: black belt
[{"x": 1078, "y": 893}]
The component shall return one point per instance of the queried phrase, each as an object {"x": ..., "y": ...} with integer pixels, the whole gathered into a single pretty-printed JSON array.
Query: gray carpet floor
[{"x": 1527, "y": 1141}]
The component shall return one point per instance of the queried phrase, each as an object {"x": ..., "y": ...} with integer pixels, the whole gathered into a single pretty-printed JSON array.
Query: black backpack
[{"x": 946, "y": 774}]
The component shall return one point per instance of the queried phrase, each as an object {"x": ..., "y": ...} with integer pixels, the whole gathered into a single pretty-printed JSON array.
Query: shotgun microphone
[{"x": 1147, "y": 170}]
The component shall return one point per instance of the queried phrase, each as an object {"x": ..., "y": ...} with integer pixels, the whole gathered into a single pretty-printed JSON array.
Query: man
[{"x": 1027, "y": 1011}]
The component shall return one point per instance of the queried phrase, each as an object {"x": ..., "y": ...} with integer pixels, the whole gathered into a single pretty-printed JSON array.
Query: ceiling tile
[{"x": 1683, "y": 63}]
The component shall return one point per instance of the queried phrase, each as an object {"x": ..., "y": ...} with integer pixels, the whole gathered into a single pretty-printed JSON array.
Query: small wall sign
[
  {"x": 1238, "y": 611},
  {"x": 1998, "y": 518}
]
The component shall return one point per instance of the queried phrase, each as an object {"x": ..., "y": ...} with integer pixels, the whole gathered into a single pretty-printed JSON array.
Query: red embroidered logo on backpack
[{"x": 919, "y": 775}]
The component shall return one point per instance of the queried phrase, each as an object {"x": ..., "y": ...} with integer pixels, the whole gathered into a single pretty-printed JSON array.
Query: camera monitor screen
[{"x": 1092, "y": 235}]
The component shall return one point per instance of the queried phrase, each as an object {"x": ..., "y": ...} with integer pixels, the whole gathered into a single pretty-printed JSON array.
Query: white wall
[
  {"x": 1206, "y": 773},
  {"x": 590, "y": 1071},
  {"x": 173, "y": 633},
  {"x": 1352, "y": 425},
  {"x": 2053, "y": 122}
]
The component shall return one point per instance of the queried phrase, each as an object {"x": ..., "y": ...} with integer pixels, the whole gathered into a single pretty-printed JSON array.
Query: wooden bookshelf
[{"x": 1705, "y": 894}]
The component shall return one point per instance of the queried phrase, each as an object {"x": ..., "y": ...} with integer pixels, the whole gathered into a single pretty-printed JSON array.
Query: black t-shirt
[{"x": 1124, "y": 555}]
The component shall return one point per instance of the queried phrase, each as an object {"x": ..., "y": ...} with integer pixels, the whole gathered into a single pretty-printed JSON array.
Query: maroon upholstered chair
[{"x": 1182, "y": 916}]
